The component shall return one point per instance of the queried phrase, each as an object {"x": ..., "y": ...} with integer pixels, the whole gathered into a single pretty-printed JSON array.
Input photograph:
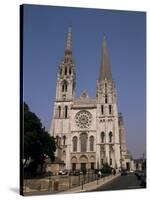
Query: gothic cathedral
[{"x": 89, "y": 131}]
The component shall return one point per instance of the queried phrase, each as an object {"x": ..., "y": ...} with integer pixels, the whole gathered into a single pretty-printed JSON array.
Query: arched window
[
  {"x": 106, "y": 99},
  {"x": 59, "y": 111},
  {"x": 83, "y": 142},
  {"x": 75, "y": 140},
  {"x": 110, "y": 161},
  {"x": 102, "y": 109},
  {"x": 110, "y": 110},
  {"x": 102, "y": 137},
  {"x": 57, "y": 139},
  {"x": 91, "y": 143},
  {"x": 66, "y": 111},
  {"x": 70, "y": 71},
  {"x": 64, "y": 140},
  {"x": 110, "y": 136},
  {"x": 64, "y": 86},
  {"x": 65, "y": 70}
]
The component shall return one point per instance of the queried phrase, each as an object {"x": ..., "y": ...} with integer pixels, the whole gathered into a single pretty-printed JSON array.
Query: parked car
[
  {"x": 62, "y": 172},
  {"x": 131, "y": 171},
  {"x": 141, "y": 176},
  {"x": 124, "y": 172}
]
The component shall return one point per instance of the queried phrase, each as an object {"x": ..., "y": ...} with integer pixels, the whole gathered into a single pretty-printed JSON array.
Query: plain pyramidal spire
[{"x": 105, "y": 68}]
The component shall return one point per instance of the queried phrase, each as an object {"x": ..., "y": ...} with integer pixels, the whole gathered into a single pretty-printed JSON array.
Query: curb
[{"x": 91, "y": 186}]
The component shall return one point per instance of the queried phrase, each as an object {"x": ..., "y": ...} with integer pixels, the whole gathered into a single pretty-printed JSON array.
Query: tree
[
  {"x": 38, "y": 144},
  {"x": 106, "y": 169}
]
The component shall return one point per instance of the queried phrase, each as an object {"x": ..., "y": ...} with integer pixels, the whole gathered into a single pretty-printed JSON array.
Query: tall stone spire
[
  {"x": 66, "y": 73},
  {"x": 69, "y": 41},
  {"x": 105, "y": 69}
]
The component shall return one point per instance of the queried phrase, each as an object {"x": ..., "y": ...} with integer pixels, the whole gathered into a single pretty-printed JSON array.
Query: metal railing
[{"x": 55, "y": 184}]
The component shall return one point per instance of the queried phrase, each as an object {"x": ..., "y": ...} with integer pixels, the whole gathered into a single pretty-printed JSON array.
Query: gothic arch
[
  {"x": 83, "y": 141},
  {"x": 59, "y": 111},
  {"x": 110, "y": 137},
  {"x": 64, "y": 86},
  {"x": 74, "y": 159},
  {"x": 83, "y": 159},
  {"x": 92, "y": 158},
  {"x": 64, "y": 140},
  {"x": 75, "y": 142},
  {"x": 102, "y": 137},
  {"x": 91, "y": 143}
]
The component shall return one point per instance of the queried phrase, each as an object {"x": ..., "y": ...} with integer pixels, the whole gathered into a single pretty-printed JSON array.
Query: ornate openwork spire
[
  {"x": 69, "y": 41},
  {"x": 105, "y": 69}
]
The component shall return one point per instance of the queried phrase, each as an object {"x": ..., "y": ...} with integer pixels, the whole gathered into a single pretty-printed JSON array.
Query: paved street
[{"x": 122, "y": 182}]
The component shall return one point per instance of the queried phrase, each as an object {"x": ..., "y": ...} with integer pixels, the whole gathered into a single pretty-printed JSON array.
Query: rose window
[{"x": 83, "y": 119}]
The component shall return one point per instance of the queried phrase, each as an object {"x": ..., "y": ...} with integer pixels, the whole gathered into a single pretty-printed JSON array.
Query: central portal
[{"x": 83, "y": 166}]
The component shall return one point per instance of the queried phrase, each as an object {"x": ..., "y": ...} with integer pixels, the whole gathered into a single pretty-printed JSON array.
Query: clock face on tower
[{"x": 83, "y": 119}]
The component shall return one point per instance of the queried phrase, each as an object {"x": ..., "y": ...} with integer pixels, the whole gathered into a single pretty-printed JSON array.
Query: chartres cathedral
[{"x": 89, "y": 131}]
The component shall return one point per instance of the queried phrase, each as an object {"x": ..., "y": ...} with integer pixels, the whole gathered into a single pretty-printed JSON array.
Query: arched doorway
[
  {"x": 74, "y": 163},
  {"x": 83, "y": 162}
]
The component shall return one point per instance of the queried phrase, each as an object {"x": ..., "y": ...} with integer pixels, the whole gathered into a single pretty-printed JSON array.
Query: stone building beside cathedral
[{"x": 89, "y": 131}]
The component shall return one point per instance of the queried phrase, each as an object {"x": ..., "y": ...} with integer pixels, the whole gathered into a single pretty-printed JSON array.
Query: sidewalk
[{"x": 92, "y": 185}]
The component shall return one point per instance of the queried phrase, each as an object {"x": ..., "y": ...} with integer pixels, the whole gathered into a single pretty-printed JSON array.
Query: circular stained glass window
[{"x": 83, "y": 119}]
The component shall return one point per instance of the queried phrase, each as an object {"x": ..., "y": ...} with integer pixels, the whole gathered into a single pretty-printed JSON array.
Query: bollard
[{"x": 82, "y": 186}]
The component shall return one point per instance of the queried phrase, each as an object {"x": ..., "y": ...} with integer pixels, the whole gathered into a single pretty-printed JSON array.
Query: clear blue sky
[{"x": 45, "y": 29}]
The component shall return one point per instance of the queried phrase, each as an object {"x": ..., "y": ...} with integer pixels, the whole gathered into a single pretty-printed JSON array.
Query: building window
[
  {"x": 110, "y": 162},
  {"x": 66, "y": 111},
  {"x": 106, "y": 99},
  {"x": 102, "y": 109},
  {"x": 110, "y": 110},
  {"x": 102, "y": 137},
  {"x": 110, "y": 136},
  {"x": 64, "y": 86},
  {"x": 102, "y": 161},
  {"x": 83, "y": 140},
  {"x": 70, "y": 71},
  {"x": 75, "y": 139},
  {"x": 65, "y": 70},
  {"x": 58, "y": 140},
  {"x": 91, "y": 143},
  {"x": 59, "y": 111},
  {"x": 64, "y": 140}
]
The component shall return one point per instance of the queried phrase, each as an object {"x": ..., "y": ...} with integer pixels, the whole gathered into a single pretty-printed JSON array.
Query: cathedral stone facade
[{"x": 89, "y": 131}]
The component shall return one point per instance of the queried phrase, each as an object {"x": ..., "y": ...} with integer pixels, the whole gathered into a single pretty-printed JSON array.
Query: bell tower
[
  {"x": 107, "y": 113},
  {"x": 65, "y": 91},
  {"x": 66, "y": 73}
]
